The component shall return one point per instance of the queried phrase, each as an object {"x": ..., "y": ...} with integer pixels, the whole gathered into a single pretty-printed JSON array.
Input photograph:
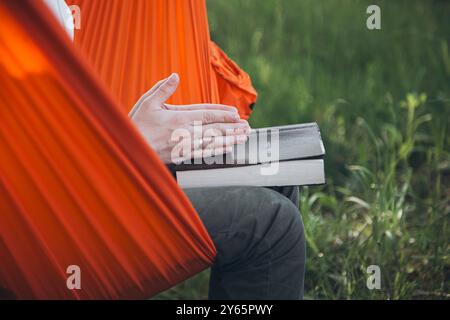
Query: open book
[{"x": 275, "y": 156}]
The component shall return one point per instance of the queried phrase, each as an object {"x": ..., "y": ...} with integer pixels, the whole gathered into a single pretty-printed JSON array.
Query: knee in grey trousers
[{"x": 259, "y": 237}]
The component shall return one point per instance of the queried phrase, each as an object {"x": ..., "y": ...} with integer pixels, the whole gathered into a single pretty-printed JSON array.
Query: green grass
[{"x": 382, "y": 100}]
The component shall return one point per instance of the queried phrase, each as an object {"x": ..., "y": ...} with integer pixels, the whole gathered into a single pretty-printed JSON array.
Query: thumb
[{"x": 165, "y": 90}]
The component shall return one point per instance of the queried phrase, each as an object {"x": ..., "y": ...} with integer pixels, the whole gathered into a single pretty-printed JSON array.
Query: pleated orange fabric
[
  {"x": 79, "y": 186},
  {"x": 132, "y": 44}
]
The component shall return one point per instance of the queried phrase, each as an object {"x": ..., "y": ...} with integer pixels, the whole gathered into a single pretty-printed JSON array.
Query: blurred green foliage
[{"x": 382, "y": 100}]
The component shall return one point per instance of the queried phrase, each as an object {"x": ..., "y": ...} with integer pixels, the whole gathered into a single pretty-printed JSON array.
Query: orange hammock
[
  {"x": 133, "y": 44},
  {"x": 79, "y": 186}
]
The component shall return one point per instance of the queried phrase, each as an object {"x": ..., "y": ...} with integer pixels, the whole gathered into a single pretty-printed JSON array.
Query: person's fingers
[
  {"x": 202, "y": 153},
  {"x": 138, "y": 104},
  {"x": 211, "y": 116},
  {"x": 212, "y": 142},
  {"x": 154, "y": 88},
  {"x": 200, "y": 106},
  {"x": 209, "y": 143},
  {"x": 222, "y": 141},
  {"x": 206, "y": 153},
  {"x": 164, "y": 90},
  {"x": 216, "y": 129}
]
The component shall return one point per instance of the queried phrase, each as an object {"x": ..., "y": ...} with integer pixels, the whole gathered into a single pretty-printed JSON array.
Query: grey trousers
[{"x": 259, "y": 237}]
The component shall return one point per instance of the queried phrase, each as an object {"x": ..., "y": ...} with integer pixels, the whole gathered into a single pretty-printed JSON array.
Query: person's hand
[{"x": 159, "y": 123}]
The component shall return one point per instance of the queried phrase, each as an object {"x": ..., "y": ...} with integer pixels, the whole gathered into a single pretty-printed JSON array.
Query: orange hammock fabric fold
[
  {"x": 79, "y": 186},
  {"x": 134, "y": 44}
]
